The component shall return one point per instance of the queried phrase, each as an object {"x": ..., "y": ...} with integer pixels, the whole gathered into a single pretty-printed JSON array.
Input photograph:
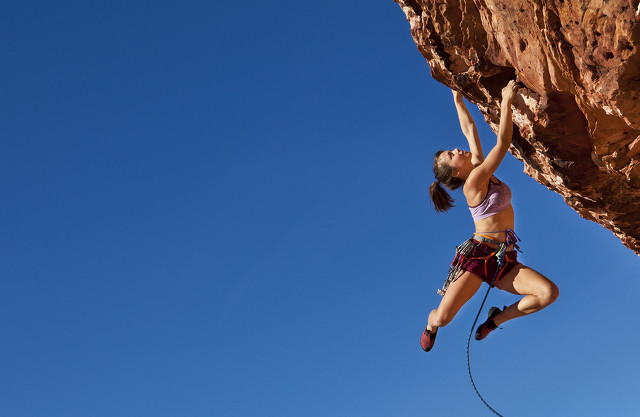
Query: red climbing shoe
[
  {"x": 483, "y": 331},
  {"x": 428, "y": 339}
]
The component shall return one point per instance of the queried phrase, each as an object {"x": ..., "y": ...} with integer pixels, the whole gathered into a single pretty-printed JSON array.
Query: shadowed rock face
[{"x": 578, "y": 116}]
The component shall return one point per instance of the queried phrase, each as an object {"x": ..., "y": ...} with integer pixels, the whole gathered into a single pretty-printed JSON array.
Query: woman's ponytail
[{"x": 441, "y": 199}]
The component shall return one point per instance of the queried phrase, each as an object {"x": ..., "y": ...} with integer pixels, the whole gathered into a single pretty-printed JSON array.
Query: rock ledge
[{"x": 578, "y": 117}]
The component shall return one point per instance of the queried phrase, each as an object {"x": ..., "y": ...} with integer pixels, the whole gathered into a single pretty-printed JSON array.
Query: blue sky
[{"x": 221, "y": 209}]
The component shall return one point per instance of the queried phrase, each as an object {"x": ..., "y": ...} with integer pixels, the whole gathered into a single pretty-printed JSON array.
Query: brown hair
[{"x": 441, "y": 199}]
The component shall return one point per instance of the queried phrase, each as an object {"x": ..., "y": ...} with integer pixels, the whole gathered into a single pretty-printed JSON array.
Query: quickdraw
[{"x": 462, "y": 253}]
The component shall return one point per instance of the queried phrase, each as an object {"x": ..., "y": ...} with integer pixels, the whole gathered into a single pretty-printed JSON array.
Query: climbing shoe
[
  {"x": 488, "y": 326},
  {"x": 428, "y": 339}
]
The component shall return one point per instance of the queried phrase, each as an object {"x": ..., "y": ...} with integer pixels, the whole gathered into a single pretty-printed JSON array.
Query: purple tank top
[{"x": 497, "y": 199}]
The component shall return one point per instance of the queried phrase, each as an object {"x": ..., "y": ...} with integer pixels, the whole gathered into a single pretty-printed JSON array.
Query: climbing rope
[
  {"x": 462, "y": 252},
  {"x": 468, "y": 341},
  {"x": 500, "y": 255}
]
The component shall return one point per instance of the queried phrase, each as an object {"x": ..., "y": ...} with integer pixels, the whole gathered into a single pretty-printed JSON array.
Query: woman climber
[{"x": 490, "y": 255}]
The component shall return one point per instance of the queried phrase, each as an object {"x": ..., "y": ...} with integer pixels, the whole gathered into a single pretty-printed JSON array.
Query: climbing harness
[
  {"x": 463, "y": 251},
  {"x": 511, "y": 239}
]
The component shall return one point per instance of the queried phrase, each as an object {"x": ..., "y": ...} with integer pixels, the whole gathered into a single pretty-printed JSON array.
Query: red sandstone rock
[{"x": 578, "y": 114}]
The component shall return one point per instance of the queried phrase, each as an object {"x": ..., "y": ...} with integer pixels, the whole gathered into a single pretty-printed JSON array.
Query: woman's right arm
[
  {"x": 485, "y": 170},
  {"x": 469, "y": 129}
]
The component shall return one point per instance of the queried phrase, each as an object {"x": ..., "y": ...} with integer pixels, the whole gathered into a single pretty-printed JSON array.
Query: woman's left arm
[{"x": 469, "y": 129}]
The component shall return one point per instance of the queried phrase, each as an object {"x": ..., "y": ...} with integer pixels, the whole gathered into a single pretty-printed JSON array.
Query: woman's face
[{"x": 456, "y": 159}]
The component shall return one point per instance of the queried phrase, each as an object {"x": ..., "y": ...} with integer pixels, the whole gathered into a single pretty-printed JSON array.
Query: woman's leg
[
  {"x": 458, "y": 293},
  {"x": 537, "y": 289}
]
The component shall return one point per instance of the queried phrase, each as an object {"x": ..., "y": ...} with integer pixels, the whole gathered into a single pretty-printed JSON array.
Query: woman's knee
[
  {"x": 548, "y": 293},
  {"x": 441, "y": 318}
]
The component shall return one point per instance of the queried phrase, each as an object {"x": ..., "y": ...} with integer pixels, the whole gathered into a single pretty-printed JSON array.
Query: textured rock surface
[{"x": 578, "y": 116}]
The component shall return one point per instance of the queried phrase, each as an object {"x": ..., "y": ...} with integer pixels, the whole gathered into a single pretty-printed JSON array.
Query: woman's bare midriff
[{"x": 496, "y": 225}]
